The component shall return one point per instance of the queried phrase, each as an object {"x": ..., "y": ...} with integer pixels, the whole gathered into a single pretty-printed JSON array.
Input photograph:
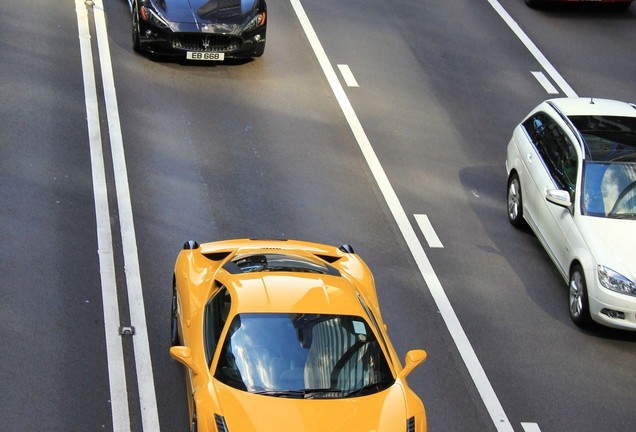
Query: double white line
[{"x": 112, "y": 323}]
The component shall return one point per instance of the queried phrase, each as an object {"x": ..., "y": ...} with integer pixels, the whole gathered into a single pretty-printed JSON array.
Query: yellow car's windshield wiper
[
  {"x": 303, "y": 393},
  {"x": 371, "y": 388},
  {"x": 282, "y": 393}
]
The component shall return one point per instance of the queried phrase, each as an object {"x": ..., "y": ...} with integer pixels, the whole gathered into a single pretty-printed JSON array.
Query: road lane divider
[
  {"x": 429, "y": 233},
  {"x": 347, "y": 75},
  {"x": 477, "y": 373},
  {"x": 530, "y": 46},
  {"x": 545, "y": 83},
  {"x": 141, "y": 346},
  {"x": 114, "y": 350}
]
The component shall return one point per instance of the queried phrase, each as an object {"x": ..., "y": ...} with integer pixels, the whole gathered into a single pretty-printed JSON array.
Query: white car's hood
[{"x": 612, "y": 243}]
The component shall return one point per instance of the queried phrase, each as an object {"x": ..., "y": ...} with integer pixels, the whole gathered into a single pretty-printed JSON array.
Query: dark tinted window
[
  {"x": 272, "y": 262},
  {"x": 608, "y": 138},
  {"x": 555, "y": 148},
  {"x": 216, "y": 312}
]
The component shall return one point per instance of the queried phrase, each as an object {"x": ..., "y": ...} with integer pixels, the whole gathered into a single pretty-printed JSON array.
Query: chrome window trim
[{"x": 573, "y": 129}]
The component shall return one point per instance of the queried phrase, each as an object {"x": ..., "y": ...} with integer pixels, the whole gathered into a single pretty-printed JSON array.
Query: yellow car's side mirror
[
  {"x": 183, "y": 355},
  {"x": 412, "y": 360}
]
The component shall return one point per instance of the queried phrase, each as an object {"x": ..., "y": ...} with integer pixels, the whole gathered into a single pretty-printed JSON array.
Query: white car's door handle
[{"x": 529, "y": 157}]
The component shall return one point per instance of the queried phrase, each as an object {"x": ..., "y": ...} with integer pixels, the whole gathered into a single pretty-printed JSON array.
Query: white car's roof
[{"x": 593, "y": 106}]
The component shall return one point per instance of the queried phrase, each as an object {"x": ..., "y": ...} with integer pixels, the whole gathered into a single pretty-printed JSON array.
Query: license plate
[{"x": 209, "y": 56}]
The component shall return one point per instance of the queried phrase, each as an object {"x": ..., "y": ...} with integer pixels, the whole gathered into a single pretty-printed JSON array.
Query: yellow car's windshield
[{"x": 303, "y": 355}]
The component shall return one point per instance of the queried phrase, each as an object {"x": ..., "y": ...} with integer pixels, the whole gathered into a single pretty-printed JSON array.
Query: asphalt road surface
[{"x": 110, "y": 161}]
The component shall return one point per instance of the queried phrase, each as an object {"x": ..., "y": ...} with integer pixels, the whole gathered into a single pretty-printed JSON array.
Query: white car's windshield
[{"x": 609, "y": 190}]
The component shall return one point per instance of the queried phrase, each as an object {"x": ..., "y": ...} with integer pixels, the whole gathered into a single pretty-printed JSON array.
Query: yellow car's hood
[{"x": 245, "y": 412}]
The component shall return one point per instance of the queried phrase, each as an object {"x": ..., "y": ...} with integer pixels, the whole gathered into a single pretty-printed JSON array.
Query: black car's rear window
[
  {"x": 608, "y": 138},
  {"x": 275, "y": 262}
]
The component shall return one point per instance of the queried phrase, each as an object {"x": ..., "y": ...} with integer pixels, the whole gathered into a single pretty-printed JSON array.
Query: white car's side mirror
[{"x": 559, "y": 197}]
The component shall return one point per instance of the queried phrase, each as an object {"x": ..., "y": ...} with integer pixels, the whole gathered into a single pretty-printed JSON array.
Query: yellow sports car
[{"x": 284, "y": 335}]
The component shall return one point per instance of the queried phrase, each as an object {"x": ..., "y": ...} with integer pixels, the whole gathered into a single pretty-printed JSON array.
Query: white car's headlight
[{"x": 615, "y": 281}]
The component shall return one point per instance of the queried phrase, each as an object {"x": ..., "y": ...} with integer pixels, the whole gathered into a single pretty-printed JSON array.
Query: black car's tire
[
  {"x": 174, "y": 331},
  {"x": 135, "y": 29},
  {"x": 535, "y": 3},
  {"x": 621, "y": 6},
  {"x": 514, "y": 201},
  {"x": 577, "y": 298},
  {"x": 260, "y": 51}
]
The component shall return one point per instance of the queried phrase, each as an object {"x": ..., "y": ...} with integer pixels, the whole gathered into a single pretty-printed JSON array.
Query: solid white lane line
[
  {"x": 530, "y": 427},
  {"x": 493, "y": 406},
  {"x": 429, "y": 233},
  {"x": 114, "y": 351},
  {"x": 543, "y": 80},
  {"x": 143, "y": 361},
  {"x": 556, "y": 77},
  {"x": 347, "y": 75}
]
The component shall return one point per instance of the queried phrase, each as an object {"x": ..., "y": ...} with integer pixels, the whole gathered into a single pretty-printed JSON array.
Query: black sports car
[{"x": 200, "y": 29}]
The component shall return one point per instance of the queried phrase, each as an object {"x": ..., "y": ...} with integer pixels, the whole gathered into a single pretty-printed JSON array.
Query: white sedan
[{"x": 572, "y": 178}]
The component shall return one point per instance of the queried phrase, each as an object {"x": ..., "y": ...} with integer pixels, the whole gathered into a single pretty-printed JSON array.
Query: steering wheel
[{"x": 622, "y": 195}]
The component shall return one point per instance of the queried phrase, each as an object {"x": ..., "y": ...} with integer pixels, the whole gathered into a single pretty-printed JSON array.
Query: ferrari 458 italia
[{"x": 284, "y": 335}]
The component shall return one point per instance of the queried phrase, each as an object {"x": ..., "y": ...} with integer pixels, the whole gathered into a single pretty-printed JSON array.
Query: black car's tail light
[
  {"x": 410, "y": 425},
  {"x": 220, "y": 423}
]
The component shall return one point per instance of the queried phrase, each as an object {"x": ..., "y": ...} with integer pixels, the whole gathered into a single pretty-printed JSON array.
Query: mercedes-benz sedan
[{"x": 572, "y": 178}]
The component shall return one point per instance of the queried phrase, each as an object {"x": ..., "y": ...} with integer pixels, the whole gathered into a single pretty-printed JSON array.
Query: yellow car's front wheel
[
  {"x": 193, "y": 425},
  {"x": 174, "y": 330}
]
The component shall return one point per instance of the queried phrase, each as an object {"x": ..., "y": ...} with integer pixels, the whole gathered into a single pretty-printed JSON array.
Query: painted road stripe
[
  {"x": 538, "y": 55},
  {"x": 143, "y": 362},
  {"x": 493, "y": 406},
  {"x": 543, "y": 80},
  {"x": 429, "y": 233},
  {"x": 348, "y": 75},
  {"x": 114, "y": 351},
  {"x": 530, "y": 427}
]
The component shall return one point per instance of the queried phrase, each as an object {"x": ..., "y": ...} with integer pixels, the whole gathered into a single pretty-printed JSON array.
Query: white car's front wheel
[
  {"x": 515, "y": 203},
  {"x": 579, "y": 304}
]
